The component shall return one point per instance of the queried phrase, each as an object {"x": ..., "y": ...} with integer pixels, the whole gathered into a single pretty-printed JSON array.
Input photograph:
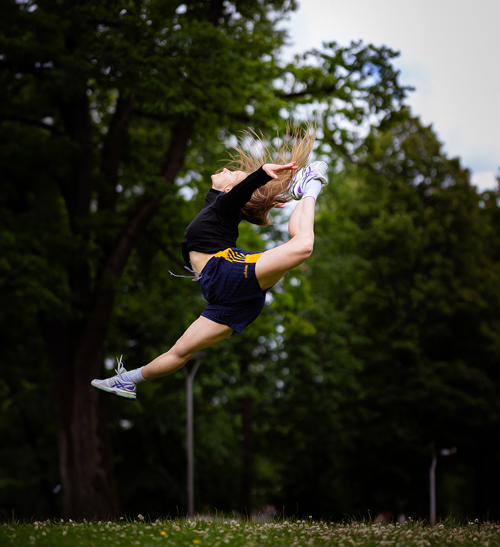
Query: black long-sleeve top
[{"x": 215, "y": 228}]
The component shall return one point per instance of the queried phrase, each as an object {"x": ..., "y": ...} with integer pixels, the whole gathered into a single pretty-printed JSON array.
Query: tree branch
[
  {"x": 174, "y": 159},
  {"x": 76, "y": 117},
  {"x": 23, "y": 67},
  {"x": 171, "y": 256},
  {"x": 215, "y": 12},
  {"x": 27, "y": 121},
  {"x": 144, "y": 210},
  {"x": 308, "y": 91},
  {"x": 113, "y": 150}
]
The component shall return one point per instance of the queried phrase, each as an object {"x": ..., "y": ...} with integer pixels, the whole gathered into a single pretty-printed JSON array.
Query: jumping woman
[{"x": 233, "y": 281}]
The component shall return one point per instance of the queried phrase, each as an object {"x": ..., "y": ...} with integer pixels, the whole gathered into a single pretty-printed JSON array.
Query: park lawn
[{"x": 222, "y": 532}]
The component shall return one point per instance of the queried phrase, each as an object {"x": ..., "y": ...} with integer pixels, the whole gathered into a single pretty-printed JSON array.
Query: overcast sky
[{"x": 450, "y": 52}]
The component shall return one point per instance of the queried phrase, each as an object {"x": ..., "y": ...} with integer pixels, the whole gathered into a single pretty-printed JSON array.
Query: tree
[
  {"x": 106, "y": 108},
  {"x": 413, "y": 249}
]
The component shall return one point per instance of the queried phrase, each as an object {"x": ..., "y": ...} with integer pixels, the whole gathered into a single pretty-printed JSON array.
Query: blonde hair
[{"x": 252, "y": 152}]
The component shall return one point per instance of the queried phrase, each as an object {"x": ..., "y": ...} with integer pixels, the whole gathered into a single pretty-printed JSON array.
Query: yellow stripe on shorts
[{"x": 235, "y": 256}]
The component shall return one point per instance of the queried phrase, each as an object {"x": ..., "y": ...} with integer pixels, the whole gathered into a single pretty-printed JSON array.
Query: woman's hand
[{"x": 271, "y": 168}]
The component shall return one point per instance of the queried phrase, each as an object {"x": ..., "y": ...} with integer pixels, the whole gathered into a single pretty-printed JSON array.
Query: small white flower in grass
[{"x": 140, "y": 517}]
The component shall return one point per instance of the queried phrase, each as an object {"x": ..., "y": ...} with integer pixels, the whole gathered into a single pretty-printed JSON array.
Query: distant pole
[
  {"x": 432, "y": 479},
  {"x": 189, "y": 426},
  {"x": 432, "y": 487}
]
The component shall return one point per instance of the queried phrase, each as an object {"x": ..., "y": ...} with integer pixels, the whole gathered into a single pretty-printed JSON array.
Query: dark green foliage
[
  {"x": 112, "y": 118},
  {"x": 420, "y": 289}
]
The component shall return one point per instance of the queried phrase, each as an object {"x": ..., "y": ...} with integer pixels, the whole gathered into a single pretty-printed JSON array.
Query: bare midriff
[{"x": 199, "y": 260}]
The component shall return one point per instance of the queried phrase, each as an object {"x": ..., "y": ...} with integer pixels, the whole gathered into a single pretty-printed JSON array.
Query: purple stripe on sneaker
[{"x": 128, "y": 387}]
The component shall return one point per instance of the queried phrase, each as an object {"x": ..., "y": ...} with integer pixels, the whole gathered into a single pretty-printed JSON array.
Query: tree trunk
[
  {"x": 85, "y": 454},
  {"x": 76, "y": 348}
]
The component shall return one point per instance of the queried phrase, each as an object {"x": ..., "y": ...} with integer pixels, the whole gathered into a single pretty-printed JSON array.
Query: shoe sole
[{"x": 123, "y": 394}]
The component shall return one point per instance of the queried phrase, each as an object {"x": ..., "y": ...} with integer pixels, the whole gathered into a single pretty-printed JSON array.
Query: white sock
[
  {"x": 313, "y": 189},
  {"x": 134, "y": 376}
]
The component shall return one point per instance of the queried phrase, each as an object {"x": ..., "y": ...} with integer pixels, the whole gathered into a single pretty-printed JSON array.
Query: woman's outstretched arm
[{"x": 240, "y": 194}]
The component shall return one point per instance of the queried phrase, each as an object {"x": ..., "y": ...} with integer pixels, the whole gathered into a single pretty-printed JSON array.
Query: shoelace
[
  {"x": 121, "y": 369},
  {"x": 119, "y": 372},
  {"x": 195, "y": 277}
]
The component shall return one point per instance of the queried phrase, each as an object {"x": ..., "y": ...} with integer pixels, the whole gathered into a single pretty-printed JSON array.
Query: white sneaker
[
  {"x": 117, "y": 384},
  {"x": 315, "y": 170}
]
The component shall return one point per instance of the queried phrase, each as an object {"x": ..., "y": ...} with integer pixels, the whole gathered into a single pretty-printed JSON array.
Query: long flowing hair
[{"x": 253, "y": 151}]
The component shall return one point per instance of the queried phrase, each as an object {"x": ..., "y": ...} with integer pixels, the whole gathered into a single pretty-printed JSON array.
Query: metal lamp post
[
  {"x": 189, "y": 427},
  {"x": 432, "y": 479}
]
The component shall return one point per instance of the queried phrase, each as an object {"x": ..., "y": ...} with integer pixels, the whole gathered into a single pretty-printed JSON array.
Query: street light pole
[
  {"x": 189, "y": 433},
  {"x": 432, "y": 487},
  {"x": 432, "y": 479}
]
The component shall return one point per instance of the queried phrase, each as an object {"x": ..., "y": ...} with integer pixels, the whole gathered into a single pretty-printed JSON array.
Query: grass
[{"x": 222, "y": 532}]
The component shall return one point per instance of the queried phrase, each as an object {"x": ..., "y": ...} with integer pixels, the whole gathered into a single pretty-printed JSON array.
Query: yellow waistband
[{"x": 235, "y": 256}]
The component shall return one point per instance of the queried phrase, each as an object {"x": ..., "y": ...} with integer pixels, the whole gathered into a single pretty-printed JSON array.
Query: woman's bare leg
[
  {"x": 274, "y": 264},
  {"x": 201, "y": 334}
]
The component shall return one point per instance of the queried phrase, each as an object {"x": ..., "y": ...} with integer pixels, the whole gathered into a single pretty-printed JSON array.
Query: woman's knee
[{"x": 182, "y": 350}]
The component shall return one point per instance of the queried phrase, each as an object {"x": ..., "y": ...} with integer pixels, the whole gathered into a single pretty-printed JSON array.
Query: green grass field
[{"x": 222, "y": 532}]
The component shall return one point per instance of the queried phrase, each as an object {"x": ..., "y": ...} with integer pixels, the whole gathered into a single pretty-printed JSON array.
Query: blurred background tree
[
  {"x": 412, "y": 254},
  {"x": 112, "y": 118}
]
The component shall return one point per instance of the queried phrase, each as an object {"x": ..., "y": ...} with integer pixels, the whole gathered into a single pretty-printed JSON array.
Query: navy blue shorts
[{"x": 230, "y": 287}]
